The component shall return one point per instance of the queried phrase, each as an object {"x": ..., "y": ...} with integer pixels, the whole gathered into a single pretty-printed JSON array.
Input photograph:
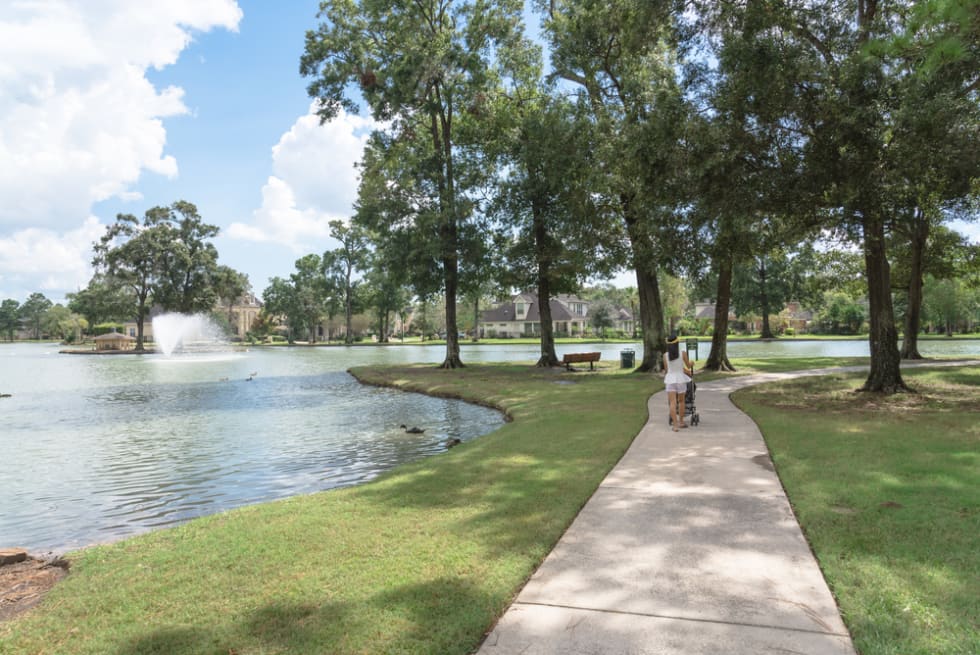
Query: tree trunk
[
  {"x": 140, "y": 319},
  {"x": 885, "y": 375},
  {"x": 766, "y": 328},
  {"x": 651, "y": 314},
  {"x": 913, "y": 315},
  {"x": 450, "y": 265},
  {"x": 139, "y": 334},
  {"x": 349, "y": 309},
  {"x": 548, "y": 357},
  {"x": 648, "y": 289},
  {"x": 476, "y": 318},
  {"x": 718, "y": 357},
  {"x": 448, "y": 230}
]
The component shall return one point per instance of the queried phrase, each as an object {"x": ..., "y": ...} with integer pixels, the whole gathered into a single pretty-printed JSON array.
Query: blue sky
[{"x": 115, "y": 106}]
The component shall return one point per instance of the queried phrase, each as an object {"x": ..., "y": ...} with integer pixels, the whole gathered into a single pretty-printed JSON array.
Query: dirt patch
[{"x": 23, "y": 584}]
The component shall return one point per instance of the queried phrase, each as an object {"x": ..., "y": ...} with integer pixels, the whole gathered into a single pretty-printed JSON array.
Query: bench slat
[{"x": 575, "y": 358}]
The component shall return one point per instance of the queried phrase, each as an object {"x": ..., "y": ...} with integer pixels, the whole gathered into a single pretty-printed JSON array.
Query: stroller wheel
[{"x": 695, "y": 419}]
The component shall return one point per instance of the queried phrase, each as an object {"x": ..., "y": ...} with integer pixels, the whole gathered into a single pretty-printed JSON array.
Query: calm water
[{"x": 96, "y": 448}]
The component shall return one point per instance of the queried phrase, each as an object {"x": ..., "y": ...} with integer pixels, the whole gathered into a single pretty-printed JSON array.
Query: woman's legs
[
  {"x": 672, "y": 406},
  {"x": 680, "y": 410}
]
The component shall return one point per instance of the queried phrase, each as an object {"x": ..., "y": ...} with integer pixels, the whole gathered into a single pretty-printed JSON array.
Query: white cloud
[
  {"x": 314, "y": 182},
  {"x": 279, "y": 220},
  {"x": 79, "y": 121},
  {"x": 37, "y": 259},
  {"x": 318, "y": 160}
]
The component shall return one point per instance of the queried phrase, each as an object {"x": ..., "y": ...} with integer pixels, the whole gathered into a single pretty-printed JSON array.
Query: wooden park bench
[{"x": 576, "y": 358}]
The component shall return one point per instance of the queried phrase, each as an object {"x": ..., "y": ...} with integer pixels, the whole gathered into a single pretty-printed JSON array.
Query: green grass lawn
[
  {"x": 888, "y": 493},
  {"x": 424, "y": 559},
  {"x": 749, "y": 366}
]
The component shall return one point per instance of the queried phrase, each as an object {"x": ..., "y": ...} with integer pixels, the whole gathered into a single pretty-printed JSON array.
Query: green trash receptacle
[{"x": 627, "y": 358}]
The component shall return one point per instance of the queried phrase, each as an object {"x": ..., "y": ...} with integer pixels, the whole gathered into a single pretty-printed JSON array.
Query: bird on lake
[{"x": 411, "y": 430}]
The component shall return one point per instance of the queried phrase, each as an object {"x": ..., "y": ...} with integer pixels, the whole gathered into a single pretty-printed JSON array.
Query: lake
[{"x": 96, "y": 448}]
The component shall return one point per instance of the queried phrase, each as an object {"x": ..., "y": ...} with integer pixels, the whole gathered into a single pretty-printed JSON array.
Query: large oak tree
[
  {"x": 165, "y": 259},
  {"x": 621, "y": 55},
  {"x": 847, "y": 101},
  {"x": 422, "y": 67}
]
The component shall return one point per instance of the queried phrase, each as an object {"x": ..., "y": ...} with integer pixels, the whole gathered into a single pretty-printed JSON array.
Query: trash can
[{"x": 627, "y": 358}]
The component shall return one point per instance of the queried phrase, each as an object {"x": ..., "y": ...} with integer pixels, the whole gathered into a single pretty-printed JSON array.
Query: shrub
[{"x": 106, "y": 328}]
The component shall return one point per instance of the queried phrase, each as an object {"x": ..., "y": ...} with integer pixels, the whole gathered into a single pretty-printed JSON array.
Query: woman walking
[{"x": 678, "y": 369}]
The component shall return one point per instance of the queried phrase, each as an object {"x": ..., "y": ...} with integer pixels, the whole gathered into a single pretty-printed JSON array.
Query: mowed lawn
[{"x": 887, "y": 490}]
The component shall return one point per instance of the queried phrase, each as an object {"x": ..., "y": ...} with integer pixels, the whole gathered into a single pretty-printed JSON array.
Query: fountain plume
[{"x": 182, "y": 333}]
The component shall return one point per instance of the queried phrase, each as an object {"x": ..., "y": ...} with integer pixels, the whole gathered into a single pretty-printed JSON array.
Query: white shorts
[{"x": 677, "y": 387}]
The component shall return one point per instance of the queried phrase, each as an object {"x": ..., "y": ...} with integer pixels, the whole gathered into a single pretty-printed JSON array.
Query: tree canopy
[
  {"x": 166, "y": 259},
  {"x": 425, "y": 68}
]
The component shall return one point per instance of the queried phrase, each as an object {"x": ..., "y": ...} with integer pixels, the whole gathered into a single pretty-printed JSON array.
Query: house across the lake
[
  {"x": 792, "y": 315},
  {"x": 521, "y": 317}
]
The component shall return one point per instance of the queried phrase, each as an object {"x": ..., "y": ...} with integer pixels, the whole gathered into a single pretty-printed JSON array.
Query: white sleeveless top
[{"x": 675, "y": 371}]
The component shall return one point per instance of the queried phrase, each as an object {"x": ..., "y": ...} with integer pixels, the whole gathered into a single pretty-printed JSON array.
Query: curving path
[{"x": 688, "y": 546}]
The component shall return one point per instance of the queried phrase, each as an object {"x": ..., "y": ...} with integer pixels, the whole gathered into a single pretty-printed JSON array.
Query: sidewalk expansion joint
[{"x": 761, "y": 626}]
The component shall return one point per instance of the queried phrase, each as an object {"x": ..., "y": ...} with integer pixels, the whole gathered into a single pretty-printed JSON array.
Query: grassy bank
[
  {"x": 888, "y": 493},
  {"x": 420, "y": 561}
]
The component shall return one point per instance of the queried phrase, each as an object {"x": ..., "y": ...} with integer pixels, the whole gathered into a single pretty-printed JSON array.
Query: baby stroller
[{"x": 689, "y": 407}]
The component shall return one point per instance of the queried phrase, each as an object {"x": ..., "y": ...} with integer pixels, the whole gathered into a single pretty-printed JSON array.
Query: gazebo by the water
[{"x": 114, "y": 341}]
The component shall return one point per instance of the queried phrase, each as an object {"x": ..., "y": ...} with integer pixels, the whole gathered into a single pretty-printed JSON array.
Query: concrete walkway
[{"x": 688, "y": 546}]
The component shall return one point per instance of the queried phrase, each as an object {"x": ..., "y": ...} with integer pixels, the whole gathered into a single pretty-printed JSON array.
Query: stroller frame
[{"x": 690, "y": 409}]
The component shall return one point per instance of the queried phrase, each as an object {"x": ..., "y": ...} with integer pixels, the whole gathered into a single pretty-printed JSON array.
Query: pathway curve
[{"x": 688, "y": 546}]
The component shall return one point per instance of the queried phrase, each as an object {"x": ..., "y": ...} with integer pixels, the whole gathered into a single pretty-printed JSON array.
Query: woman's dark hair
[{"x": 673, "y": 347}]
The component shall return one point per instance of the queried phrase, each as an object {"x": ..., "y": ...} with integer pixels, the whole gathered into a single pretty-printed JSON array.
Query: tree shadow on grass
[
  {"x": 444, "y": 616},
  {"x": 173, "y": 641},
  {"x": 447, "y": 615},
  {"x": 280, "y": 627}
]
